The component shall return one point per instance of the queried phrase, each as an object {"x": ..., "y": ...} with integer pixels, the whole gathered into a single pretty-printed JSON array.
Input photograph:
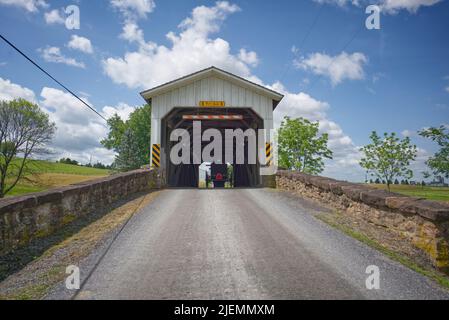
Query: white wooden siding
[{"x": 212, "y": 89}]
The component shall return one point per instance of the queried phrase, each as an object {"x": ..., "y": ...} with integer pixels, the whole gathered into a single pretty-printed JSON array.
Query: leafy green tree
[
  {"x": 68, "y": 161},
  {"x": 24, "y": 131},
  {"x": 139, "y": 123},
  {"x": 439, "y": 163},
  {"x": 100, "y": 165},
  {"x": 117, "y": 128},
  {"x": 128, "y": 152},
  {"x": 426, "y": 174},
  {"x": 301, "y": 147},
  {"x": 388, "y": 158}
]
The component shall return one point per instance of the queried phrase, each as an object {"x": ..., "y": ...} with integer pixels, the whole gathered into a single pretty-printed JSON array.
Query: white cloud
[
  {"x": 54, "y": 17},
  {"x": 340, "y": 3},
  {"x": 28, "y": 5},
  {"x": 298, "y": 105},
  {"x": 132, "y": 33},
  {"x": 344, "y": 164},
  {"x": 80, "y": 43},
  {"x": 79, "y": 130},
  {"x": 336, "y": 68},
  {"x": 53, "y": 54},
  {"x": 191, "y": 49},
  {"x": 10, "y": 91},
  {"x": 419, "y": 165},
  {"x": 123, "y": 110},
  {"x": 393, "y": 6},
  {"x": 408, "y": 133},
  {"x": 387, "y": 6},
  {"x": 249, "y": 57},
  {"x": 447, "y": 89},
  {"x": 134, "y": 9}
]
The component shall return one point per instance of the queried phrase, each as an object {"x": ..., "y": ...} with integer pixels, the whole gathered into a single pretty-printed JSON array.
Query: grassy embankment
[
  {"x": 431, "y": 193},
  {"x": 46, "y": 175}
]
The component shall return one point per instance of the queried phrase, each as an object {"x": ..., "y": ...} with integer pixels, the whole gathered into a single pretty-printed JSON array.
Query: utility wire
[
  {"x": 306, "y": 36},
  {"x": 49, "y": 75},
  {"x": 343, "y": 49}
]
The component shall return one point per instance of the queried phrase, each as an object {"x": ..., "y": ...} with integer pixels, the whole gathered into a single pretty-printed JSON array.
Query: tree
[
  {"x": 100, "y": 165},
  {"x": 388, "y": 157},
  {"x": 426, "y": 174},
  {"x": 128, "y": 152},
  {"x": 117, "y": 128},
  {"x": 139, "y": 123},
  {"x": 24, "y": 131},
  {"x": 439, "y": 163},
  {"x": 301, "y": 147},
  {"x": 68, "y": 161}
]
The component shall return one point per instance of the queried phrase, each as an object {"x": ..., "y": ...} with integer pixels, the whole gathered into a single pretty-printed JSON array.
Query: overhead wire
[
  {"x": 51, "y": 77},
  {"x": 304, "y": 39}
]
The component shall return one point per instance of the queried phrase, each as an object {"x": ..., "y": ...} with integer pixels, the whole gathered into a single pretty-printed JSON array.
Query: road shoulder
[
  {"x": 377, "y": 237},
  {"x": 43, "y": 277}
]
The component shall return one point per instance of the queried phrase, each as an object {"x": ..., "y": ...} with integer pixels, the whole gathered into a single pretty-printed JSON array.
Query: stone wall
[
  {"x": 422, "y": 222},
  {"x": 25, "y": 218}
]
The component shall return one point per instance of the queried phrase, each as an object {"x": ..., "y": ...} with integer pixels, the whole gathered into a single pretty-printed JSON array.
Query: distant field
[
  {"x": 431, "y": 193},
  {"x": 47, "y": 175},
  {"x": 52, "y": 167}
]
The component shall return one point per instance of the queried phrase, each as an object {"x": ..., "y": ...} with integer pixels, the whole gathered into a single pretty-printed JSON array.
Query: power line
[
  {"x": 306, "y": 36},
  {"x": 343, "y": 49},
  {"x": 49, "y": 75}
]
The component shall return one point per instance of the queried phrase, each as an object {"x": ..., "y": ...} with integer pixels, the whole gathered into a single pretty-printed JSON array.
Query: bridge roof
[{"x": 212, "y": 71}]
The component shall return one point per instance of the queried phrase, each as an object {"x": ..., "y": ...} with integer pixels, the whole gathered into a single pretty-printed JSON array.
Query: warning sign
[{"x": 212, "y": 104}]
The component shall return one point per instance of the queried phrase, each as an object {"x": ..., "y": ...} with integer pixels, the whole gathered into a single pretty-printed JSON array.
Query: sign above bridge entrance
[{"x": 212, "y": 104}]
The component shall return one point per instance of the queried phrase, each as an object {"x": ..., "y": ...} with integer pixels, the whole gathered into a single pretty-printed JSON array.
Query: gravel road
[{"x": 243, "y": 244}]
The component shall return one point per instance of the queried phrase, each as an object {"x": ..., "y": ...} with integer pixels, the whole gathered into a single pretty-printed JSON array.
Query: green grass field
[
  {"x": 46, "y": 175},
  {"x": 52, "y": 167},
  {"x": 431, "y": 193}
]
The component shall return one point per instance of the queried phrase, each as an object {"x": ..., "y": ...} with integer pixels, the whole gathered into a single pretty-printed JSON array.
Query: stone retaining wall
[
  {"x": 422, "y": 222},
  {"x": 39, "y": 214}
]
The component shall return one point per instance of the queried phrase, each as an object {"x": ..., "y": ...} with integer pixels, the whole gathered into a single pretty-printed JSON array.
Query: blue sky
[{"x": 317, "y": 52}]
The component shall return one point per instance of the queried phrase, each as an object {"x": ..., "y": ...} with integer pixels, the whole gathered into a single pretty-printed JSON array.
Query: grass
[
  {"x": 47, "y": 175},
  {"x": 430, "y": 273},
  {"x": 431, "y": 193},
  {"x": 41, "y": 166},
  {"x": 31, "y": 272}
]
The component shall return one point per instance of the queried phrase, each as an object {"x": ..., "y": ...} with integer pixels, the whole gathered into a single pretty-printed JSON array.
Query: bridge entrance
[
  {"x": 189, "y": 113},
  {"x": 225, "y": 170}
]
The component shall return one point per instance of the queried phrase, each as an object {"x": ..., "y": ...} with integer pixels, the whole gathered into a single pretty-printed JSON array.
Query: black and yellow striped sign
[
  {"x": 156, "y": 155},
  {"x": 269, "y": 154}
]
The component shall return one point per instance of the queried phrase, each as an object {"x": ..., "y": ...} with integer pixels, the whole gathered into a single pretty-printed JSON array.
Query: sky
[{"x": 318, "y": 53}]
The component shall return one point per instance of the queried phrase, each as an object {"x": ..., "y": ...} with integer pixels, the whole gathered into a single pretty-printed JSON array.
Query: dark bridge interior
[{"x": 187, "y": 175}]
